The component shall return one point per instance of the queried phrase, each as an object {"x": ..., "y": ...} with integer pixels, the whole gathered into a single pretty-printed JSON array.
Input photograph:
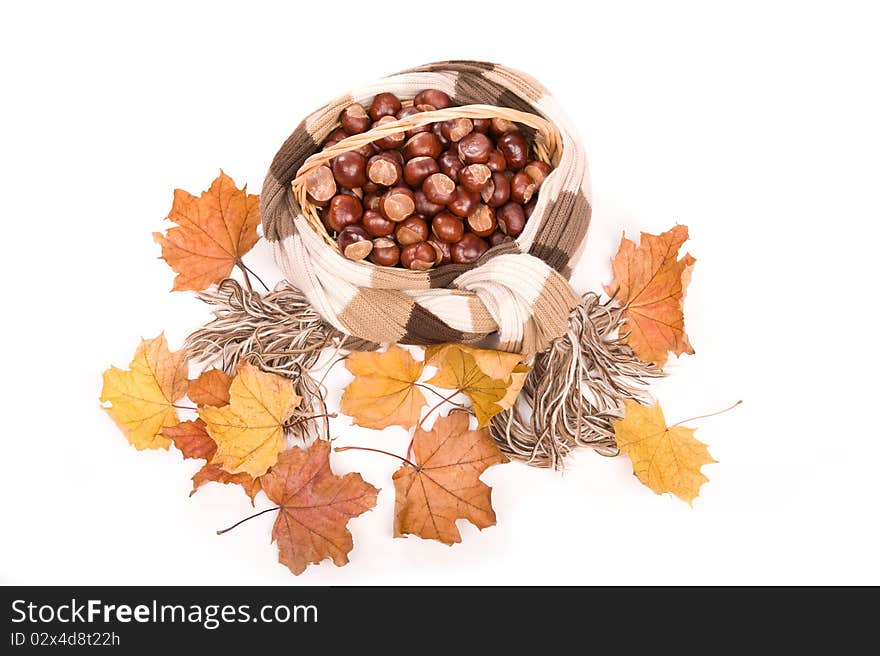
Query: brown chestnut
[
  {"x": 377, "y": 225},
  {"x": 496, "y": 162},
  {"x": 384, "y": 104},
  {"x": 367, "y": 150},
  {"x": 354, "y": 119},
  {"x": 500, "y": 186},
  {"x": 511, "y": 219},
  {"x": 391, "y": 141},
  {"x": 350, "y": 169},
  {"x": 482, "y": 125},
  {"x": 529, "y": 207},
  {"x": 450, "y": 164},
  {"x": 412, "y": 111},
  {"x": 515, "y": 148},
  {"x": 447, "y": 227},
  {"x": 482, "y": 221},
  {"x": 386, "y": 252},
  {"x": 497, "y": 237},
  {"x": 521, "y": 188},
  {"x": 437, "y": 131},
  {"x": 475, "y": 177},
  {"x": 455, "y": 129},
  {"x": 475, "y": 148},
  {"x": 397, "y": 203},
  {"x": 411, "y": 230},
  {"x": 354, "y": 242},
  {"x": 500, "y": 126},
  {"x": 426, "y": 207},
  {"x": 344, "y": 210},
  {"x": 434, "y": 97},
  {"x": 320, "y": 184},
  {"x": 537, "y": 171},
  {"x": 464, "y": 202},
  {"x": 316, "y": 202},
  {"x": 418, "y": 257},
  {"x": 384, "y": 170},
  {"x": 468, "y": 249},
  {"x": 419, "y": 168},
  {"x": 371, "y": 201},
  {"x": 444, "y": 251},
  {"x": 439, "y": 188},
  {"x": 423, "y": 144}
]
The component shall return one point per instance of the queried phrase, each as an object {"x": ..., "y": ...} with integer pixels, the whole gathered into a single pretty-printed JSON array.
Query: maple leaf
[
  {"x": 141, "y": 399},
  {"x": 214, "y": 474},
  {"x": 191, "y": 439},
  {"x": 664, "y": 459},
  {"x": 249, "y": 431},
  {"x": 445, "y": 484},
  {"x": 496, "y": 364},
  {"x": 213, "y": 231},
  {"x": 650, "y": 282},
  {"x": 210, "y": 388},
  {"x": 458, "y": 369},
  {"x": 314, "y": 506},
  {"x": 383, "y": 392}
]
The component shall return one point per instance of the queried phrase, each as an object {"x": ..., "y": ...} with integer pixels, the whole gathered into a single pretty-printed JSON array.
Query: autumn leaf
[
  {"x": 650, "y": 283},
  {"x": 383, "y": 392},
  {"x": 210, "y": 388},
  {"x": 495, "y": 364},
  {"x": 214, "y": 474},
  {"x": 445, "y": 484},
  {"x": 458, "y": 369},
  {"x": 249, "y": 431},
  {"x": 315, "y": 506},
  {"x": 664, "y": 459},
  {"x": 213, "y": 231},
  {"x": 141, "y": 399},
  {"x": 191, "y": 439}
]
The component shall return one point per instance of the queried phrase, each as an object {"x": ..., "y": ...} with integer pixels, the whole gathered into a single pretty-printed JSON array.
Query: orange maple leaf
[
  {"x": 215, "y": 474},
  {"x": 444, "y": 485},
  {"x": 213, "y": 231},
  {"x": 314, "y": 506},
  {"x": 210, "y": 388},
  {"x": 650, "y": 282}
]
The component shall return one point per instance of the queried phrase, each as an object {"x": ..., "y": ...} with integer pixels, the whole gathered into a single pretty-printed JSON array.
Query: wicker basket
[{"x": 546, "y": 146}]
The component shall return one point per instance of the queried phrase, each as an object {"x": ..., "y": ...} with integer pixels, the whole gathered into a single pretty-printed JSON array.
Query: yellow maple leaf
[
  {"x": 664, "y": 459},
  {"x": 141, "y": 399},
  {"x": 496, "y": 364},
  {"x": 249, "y": 431},
  {"x": 383, "y": 392},
  {"x": 458, "y": 368}
]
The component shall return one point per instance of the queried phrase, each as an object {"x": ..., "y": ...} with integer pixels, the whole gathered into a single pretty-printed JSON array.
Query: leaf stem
[
  {"x": 262, "y": 512},
  {"x": 300, "y": 420},
  {"x": 445, "y": 399},
  {"x": 247, "y": 278},
  {"x": 433, "y": 391},
  {"x": 711, "y": 414},
  {"x": 245, "y": 267},
  {"x": 184, "y": 407},
  {"x": 387, "y": 453}
]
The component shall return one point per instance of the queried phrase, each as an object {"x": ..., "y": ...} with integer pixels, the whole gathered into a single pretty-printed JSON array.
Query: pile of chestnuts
[{"x": 444, "y": 192}]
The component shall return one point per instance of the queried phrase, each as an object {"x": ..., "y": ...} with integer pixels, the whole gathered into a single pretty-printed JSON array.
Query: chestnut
[
  {"x": 391, "y": 141},
  {"x": 354, "y": 119},
  {"x": 317, "y": 203},
  {"x": 444, "y": 251},
  {"x": 350, "y": 169},
  {"x": 515, "y": 148},
  {"x": 529, "y": 207},
  {"x": 497, "y": 237},
  {"x": 354, "y": 242},
  {"x": 456, "y": 128},
  {"x": 411, "y": 111},
  {"x": 419, "y": 168},
  {"x": 419, "y": 256},
  {"x": 384, "y": 104},
  {"x": 337, "y": 135},
  {"x": 384, "y": 170},
  {"x": 475, "y": 177},
  {"x": 411, "y": 230},
  {"x": 435, "y": 97},
  {"x": 377, "y": 225},
  {"x": 482, "y": 125},
  {"x": 371, "y": 201},
  {"x": 447, "y": 227},
  {"x": 475, "y": 148},
  {"x": 464, "y": 202},
  {"x": 426, "y": 207},
  {"x": 450, "y": 164},
  {"x": 385, "y": 252},
  {"x": 423, "y": 144},
  {"x": 496, "y": 162},
  {"x": 320, "y": 184},
  {"x": 397, "y": 203},
  {"x": 500, "y": 126},
  {"x": 367, "y": 150},
  {"x": 537, "y": 171},
  {"x": 439, "y": 188},
  {"x": 482, "y": 221},
  {"x": 511, "y": 219},
  {"x": 344, "y": 210},
  {"x": 521, "y": 188},
  {"x": 468, "y": 249}
]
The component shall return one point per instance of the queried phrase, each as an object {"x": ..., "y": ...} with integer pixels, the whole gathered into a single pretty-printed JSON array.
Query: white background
[{"x": 756, "y": 124}]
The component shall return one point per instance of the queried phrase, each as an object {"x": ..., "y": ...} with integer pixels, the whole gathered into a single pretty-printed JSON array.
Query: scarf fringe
[{"x": 574, "y": 390}]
